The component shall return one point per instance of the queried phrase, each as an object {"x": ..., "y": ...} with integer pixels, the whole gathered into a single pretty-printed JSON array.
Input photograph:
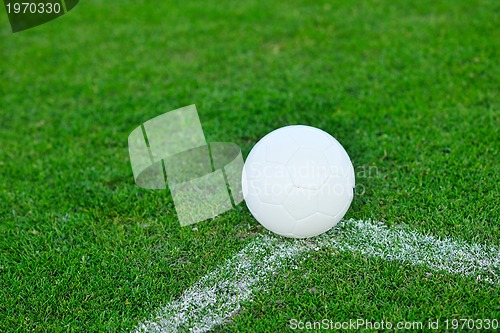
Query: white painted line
[
  {"x": 218, "y": 295},
  {"x": 409, "y": 246}
]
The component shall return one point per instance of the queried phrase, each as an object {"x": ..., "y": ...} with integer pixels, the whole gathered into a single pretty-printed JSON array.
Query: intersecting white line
[{"x": 218, "y": 295}]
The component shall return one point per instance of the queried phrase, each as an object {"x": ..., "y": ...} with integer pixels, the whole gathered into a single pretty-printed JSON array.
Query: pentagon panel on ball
[{"x": 298, "y": 181}]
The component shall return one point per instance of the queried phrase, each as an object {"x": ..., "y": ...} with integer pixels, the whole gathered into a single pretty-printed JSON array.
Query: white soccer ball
[{"x": 298, "y": 181}]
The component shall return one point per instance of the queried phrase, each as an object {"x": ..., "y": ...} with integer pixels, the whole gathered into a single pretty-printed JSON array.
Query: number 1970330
[{"x": 33, "y": 8}]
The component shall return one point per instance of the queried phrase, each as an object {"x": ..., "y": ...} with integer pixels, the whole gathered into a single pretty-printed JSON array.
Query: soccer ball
[{"x": 298, "y": 181}]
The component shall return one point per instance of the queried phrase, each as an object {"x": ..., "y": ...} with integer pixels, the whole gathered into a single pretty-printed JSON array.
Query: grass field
[{"x": 409, "y": 88}]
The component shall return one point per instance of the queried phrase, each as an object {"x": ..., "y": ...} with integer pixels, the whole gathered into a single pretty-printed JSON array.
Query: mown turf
[{"x": 410, "y": 90}]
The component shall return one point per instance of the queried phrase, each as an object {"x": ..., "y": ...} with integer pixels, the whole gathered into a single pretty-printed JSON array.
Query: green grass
[{"x": 409, "y": 88}]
